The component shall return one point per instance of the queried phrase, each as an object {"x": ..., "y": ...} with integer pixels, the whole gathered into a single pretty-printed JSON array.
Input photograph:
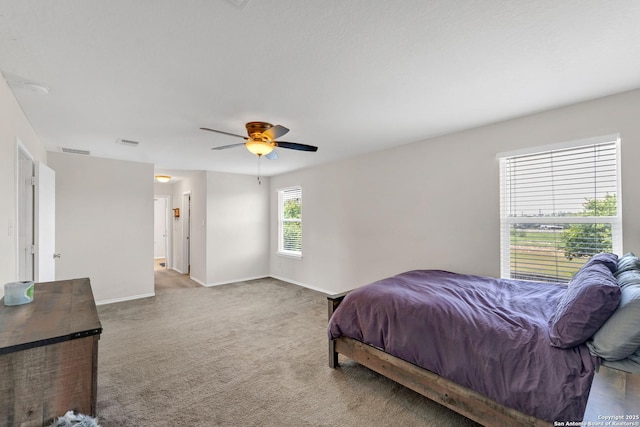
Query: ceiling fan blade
[
  {"x": 296, "y": 146},
  {"x": 224, "y": 133},
  {"x": 224, "y": 147},
  {"x": 275, "y": 132},
  {"x": 272, "y": 155}
]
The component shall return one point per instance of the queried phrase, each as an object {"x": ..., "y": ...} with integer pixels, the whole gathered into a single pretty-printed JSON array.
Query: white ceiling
[{"x": 349, "y": 76}]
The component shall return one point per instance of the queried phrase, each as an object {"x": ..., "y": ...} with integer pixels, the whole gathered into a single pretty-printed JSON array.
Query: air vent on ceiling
[
  {"x": 239, "y": 3},
  {"x": 128, "y": 142},
  {"x": 75, "y": 151}
]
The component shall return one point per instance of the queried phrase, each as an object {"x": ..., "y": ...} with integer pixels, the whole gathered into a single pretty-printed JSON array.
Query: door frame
[{"x": 186, "y": 232}]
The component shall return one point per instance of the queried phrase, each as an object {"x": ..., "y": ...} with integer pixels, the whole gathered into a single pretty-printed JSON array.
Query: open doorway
[
  {"x": 161, "y": 232},
  {"x": 35, "y": 218}
]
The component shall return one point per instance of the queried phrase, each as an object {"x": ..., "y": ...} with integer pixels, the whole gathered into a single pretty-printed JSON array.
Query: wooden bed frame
[{"x": 462, "y": 400}]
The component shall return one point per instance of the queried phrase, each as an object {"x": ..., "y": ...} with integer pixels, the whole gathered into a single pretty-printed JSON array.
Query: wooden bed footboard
[
  {"x": 333, "y": 301},
  {"x": 462, "y": 400}
]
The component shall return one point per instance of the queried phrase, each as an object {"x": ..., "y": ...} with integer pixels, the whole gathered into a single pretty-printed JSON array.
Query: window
[
  {"x": 558, "y": 206},
  {"x": 290, "y": 221}
]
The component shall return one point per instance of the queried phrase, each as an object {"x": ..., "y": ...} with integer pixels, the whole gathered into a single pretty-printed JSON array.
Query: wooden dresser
[{"x": 49, "y": 354}]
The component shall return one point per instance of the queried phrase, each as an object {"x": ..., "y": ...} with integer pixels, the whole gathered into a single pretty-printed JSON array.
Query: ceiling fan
[{"x": 262, "y": 140}]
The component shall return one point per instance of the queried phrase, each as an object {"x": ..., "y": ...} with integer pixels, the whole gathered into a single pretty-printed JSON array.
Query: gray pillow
[
  {"x": 619, "y": 337},
  {"x": 627, "y": 262},
  {"x": 628, "y": 277},
  {"x": 635, "y": 356},
  {"x": 591, "y": 298}
]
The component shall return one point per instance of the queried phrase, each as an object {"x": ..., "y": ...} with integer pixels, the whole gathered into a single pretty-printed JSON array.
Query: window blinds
[
  {"x": 290, "y": 221},
  {"x": 559, "y": 207}
]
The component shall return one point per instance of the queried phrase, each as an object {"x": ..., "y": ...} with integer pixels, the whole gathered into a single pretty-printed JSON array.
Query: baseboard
[
  {"x": 228, "y": 282},
  {"x": 111, "y": 301},
  {"x": 195, "y": 279},
  {"x": 153, "y": 294},
  {"x": 198, "y": 281},
  {"x": 304, "y": 285}
]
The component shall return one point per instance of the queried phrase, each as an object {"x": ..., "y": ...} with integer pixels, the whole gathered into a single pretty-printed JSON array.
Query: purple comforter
[{"x": 490, "y": 335}]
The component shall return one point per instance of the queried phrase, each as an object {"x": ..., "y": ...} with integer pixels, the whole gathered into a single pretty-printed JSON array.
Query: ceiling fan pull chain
[{"x": 259, "y": 180}]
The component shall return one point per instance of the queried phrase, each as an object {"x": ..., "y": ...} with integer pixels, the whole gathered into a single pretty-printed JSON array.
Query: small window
[
  {"x": 559, "y": 206},
  {"x": 290, "y": 221}
]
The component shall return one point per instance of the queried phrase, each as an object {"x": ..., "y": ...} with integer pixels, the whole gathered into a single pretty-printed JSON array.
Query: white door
[
  {"x": 45, "y": 223},
  {"x": 186, "y": 232},
  {"x": 25, "y": 242}
]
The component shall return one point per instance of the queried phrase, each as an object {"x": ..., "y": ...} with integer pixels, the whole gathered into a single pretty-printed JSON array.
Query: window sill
[{"x": 289, "y": 255}]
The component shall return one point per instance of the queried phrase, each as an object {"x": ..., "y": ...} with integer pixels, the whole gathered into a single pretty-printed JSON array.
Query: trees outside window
[{"x": 586, "y": 240}]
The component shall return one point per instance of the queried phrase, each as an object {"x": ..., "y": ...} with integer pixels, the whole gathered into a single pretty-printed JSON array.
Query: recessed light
[
  {"x": 36, "y": 87},
  {"x": 18, "y": 82}
]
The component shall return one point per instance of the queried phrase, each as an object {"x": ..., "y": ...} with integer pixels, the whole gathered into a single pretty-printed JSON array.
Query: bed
[{"x": 498, "y": 351}]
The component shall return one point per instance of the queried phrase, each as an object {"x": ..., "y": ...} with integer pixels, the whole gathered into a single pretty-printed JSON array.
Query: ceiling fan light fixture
[
  {"x": 262, "y": 139},
  {"x": 259, "y": 147},
  {"x": 163, "y": 178}
]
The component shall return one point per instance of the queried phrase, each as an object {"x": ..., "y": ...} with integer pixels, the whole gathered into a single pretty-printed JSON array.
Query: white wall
[
  {"x": 237, "y": 231},
  {"x": 104, "y": 224},
  {"x": 229, "y": 227},
  {"x": 13, "y": 125},
  {"x": 162, "y": 188},
  {"x": 435, "y": 204}
]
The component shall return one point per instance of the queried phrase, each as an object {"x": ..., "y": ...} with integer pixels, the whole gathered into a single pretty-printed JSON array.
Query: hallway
[{"x": 166, "y": 279}]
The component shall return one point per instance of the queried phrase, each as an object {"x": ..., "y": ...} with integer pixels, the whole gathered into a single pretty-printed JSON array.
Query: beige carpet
[
  {"x": 166, "y": 279},
  {"x": 247, "y": 354}
]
